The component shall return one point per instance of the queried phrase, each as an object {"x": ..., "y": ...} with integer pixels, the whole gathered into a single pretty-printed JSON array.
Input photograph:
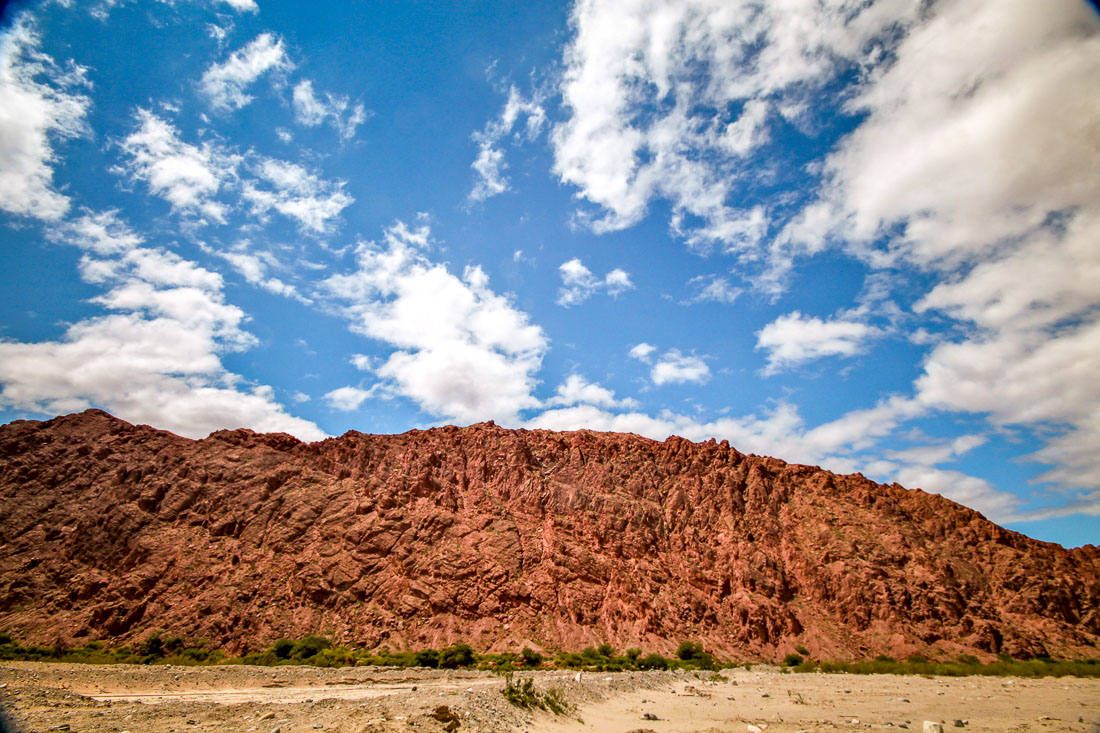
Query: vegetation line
[{"x": 319, "y": 651}]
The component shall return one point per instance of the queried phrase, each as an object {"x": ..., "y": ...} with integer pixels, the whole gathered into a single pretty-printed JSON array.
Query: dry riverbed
[{"x": 44, "y": 697}]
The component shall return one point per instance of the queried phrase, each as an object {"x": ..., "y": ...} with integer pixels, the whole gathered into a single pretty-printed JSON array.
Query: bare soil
[{"x": 44, "y": 697}]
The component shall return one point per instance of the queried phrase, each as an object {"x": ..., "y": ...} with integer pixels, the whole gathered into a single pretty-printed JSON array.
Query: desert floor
[{"x": 45, "y": 697}]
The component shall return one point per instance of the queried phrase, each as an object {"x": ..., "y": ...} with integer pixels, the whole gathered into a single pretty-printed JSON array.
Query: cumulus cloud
[
  {"x": 579, "y": 283},
  {"x": 671, "y": 367},
  {"x": 154, "y": 356},
  {"x": 309, "y": 110},
  {"x": 187, "y": 176},
  {"x": 346, "y": 399},
  {"x": 981, "y": 145},
  {"x": 296, "y": 193},
  {"x": 578, "y": 390},
  {"x": 42, "y": 106},
  {"x": 794, "y": 339},
  {"x": 489, "y": 164},
  {"x": 665, "y": 100},
  {"x": 461, "y": 350},
  {"x": 223, "y": 84},
  {"x": 676, "y": 368}
]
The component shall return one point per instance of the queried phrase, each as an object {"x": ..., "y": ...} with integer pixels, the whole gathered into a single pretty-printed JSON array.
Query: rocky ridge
[{"x": 507, "y": 537}]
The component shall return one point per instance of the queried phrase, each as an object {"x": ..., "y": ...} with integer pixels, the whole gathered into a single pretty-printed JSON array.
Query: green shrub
[
  {"x": 802, "y": 650},
  {"x": 633, "y": 654},
  {"x": 531, "y": 658},
  {"x": 792, "y": 660},
  {"x": 427, "y": 658},
  {"x": 308, "y": 647},
  {"x": 524, "y": 695},
  {"x": 153, "y": 646},
  {"x": 606, "y": 650},
  {"x": 282, "y": 648},
  {"x": 689, "y": 650},
  {"x": 456, "y": 655},
  {"x": 653, "y": 661}
]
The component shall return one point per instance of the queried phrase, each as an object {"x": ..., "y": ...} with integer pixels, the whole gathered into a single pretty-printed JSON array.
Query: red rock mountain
[{"x": 507, "y": 537}]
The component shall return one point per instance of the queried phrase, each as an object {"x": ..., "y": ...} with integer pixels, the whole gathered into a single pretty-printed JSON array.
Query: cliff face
[{"x": 502, "y": 538}]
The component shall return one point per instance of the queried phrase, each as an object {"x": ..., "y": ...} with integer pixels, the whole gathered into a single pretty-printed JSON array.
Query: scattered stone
[
  {"x": 649, "y": 716},
  {"x": 765, "y": 695},
  {"x": 267, "y": 716},
  {"x": 932, "y": 727},
  {"x": 960, "y": 723},
  {"x": 276, "y": 729},
  {"x": 754, "y": 728},
  {"x": 318, "y": 726}
]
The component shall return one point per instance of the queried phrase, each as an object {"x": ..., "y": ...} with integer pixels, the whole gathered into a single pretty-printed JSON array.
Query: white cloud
[
  {"x": 224, "y": 84},
  {"x": 666, "y": 99},
  {"x": 254, "y": 268},
  {"x": 794, "y": 338},
  {"x": 676, "y": 368},
  {"x": 579, "y": 284},
  {"x": 713, "y": 288},
  {"x": 671, "y": 367},
  {"x": 243, "y": 6},
  {"x": 187, "y": 176},
  {"x": 346, "y": 399},
  {"x": 981, "y": 144},
  {"x": 39, "y": 106},
  {"x": 489, "y": 164},
  {"x": 311, "y": 111},
  {"x": 155, "y": 356},
  {"x": 296, "y": 193},
  {"x": 577, "y": 390},
  {"x": 461, "y": 350},
  {"x": 642, "y": 351},
  {"x": 102, "y": 233}
]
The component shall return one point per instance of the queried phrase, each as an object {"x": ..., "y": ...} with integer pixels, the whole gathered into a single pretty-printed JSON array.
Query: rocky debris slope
[{"x": 503, "y": 538}]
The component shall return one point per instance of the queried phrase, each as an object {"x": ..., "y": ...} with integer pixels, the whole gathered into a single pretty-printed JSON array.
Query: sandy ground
[{"x": 45, "y": 697}]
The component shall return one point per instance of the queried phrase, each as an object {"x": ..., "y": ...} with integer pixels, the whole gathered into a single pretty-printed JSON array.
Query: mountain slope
[{"x": 504, "y": 537}]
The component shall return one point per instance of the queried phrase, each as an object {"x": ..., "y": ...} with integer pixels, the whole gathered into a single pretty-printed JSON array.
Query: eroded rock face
[{"x": 503, "y": 538}]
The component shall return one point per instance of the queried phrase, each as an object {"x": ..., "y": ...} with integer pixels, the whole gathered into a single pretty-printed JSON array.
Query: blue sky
[{"x": 853, "y": 234}]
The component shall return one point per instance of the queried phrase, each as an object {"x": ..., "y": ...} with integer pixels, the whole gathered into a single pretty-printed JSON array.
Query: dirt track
[{"x": 41, "y": 697}]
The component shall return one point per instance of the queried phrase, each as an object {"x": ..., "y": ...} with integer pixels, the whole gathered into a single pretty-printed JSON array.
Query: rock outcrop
[{"x": 507, "y": 537}]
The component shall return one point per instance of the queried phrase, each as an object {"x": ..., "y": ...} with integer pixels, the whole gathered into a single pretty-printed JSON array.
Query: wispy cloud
[
  {"x": 489, "y": 164},
  {"x": 224, "y": 84},
  {"x": 188, "y": 176},
  {"x": 309, "y": 110},
  {"x": 297, "y": 193}
]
